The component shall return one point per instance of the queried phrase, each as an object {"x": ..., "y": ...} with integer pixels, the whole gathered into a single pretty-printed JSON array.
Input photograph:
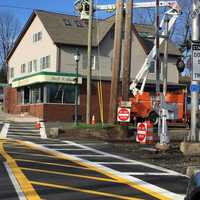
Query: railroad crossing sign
[
  {"x": 123, "y": 114},
  {"x": 196, "y": 61}
]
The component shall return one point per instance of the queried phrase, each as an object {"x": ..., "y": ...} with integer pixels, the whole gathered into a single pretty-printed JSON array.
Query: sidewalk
[{"x": 17, "y": 117}]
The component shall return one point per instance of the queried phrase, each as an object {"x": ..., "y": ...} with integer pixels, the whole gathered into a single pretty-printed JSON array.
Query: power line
[{"x": 16, "y": 7}]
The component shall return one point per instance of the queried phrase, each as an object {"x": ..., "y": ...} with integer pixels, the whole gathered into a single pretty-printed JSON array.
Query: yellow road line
[
  {"x": 85, "y": 191},
  {"x": 30, "y": 154},
  {"x": 25, "y": 185},
  {"x": 69, "y": 174},
  {"x": 53, "y": 164},
  {"x": 109, "y": 174}
]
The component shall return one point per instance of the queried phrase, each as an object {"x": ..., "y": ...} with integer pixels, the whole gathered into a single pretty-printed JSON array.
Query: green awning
[{"x": 46, "y": 77}]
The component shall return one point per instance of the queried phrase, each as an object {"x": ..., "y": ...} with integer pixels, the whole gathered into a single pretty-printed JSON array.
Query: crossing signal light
[{"x": 84, "y": 9}]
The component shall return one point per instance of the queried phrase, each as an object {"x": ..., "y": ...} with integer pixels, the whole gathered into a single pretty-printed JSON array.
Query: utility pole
[
  {"x": 116, "y": 64},
  {"x": 127, "y": 50},
  {"x": 157, "y": 40},
  {"x": 89, "y": 63},
  {"x": 157, "y": 24},
  {"x": 194, "y": 137},
  {"x": 164, "y": 138}
]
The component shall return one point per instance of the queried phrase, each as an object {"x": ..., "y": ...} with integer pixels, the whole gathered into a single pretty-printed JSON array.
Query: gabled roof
[
  {"x": 147, "y": 34},
  {"x": 67, "y": 29},
  {"x": 70, "y": 30}
]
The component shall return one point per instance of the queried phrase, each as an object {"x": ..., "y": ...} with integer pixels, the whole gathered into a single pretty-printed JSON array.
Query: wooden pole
[
  {"x": 116, "y": 64},
  {"x": 127, "y": 51}
]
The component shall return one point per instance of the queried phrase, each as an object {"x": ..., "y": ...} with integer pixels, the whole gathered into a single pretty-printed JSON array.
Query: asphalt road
[{"x": 53, "y": 169}]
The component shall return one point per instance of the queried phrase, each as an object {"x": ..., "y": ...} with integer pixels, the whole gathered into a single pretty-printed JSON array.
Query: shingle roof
[
  {"x": 76, "y": 30},
  {"x": 70, "y": 30}
]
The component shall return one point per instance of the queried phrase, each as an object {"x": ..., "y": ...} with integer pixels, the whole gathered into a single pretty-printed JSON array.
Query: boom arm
[{"x": 144, "y": 71}]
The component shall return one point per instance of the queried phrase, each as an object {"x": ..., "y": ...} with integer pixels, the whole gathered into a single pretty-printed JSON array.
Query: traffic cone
[
  {"x": 37, "y": 125},
  {"x": 93, "y": 120}
]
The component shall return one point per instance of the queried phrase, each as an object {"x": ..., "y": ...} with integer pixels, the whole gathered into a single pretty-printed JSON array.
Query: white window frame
[
  {"x": 37, "y": 37},
  {"x": 45, "y": 62},
  {"x": 12, "y": 72},
  {"x": 23, "y": 68},
  {"x": 94, "y": 62},
  {"x": 34, "y": 65},
  {"x": 30, "y": 66}
]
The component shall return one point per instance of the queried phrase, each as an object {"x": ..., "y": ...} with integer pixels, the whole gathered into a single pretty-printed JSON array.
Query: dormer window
[
  {"x": 37, "y": 36},
  {"x": 67, "y": 22}
]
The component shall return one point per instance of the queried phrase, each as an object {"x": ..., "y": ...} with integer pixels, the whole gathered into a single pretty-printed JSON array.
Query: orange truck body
[{"x": 142, "y": 105}]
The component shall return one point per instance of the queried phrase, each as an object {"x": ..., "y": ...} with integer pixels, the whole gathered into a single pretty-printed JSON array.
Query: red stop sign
[
  {"x": 141, "y": 137},
  {"x": 123, "y": 114}
]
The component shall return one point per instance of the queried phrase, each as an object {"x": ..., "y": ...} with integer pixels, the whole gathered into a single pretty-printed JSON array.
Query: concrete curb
[{"x": 190, "y": 148}]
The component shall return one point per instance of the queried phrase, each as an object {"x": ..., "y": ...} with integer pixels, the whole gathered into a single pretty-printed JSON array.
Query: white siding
[{"x": 27, "y": 50}]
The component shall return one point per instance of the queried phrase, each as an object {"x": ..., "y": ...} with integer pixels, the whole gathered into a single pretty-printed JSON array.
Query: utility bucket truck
[{"x": 143, "y": 100}]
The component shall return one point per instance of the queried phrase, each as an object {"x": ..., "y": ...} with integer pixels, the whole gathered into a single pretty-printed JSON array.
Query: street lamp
[{"x": 76, "y": 58}]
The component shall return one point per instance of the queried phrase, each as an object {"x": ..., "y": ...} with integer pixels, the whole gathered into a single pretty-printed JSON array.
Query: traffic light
[
  {"x": 180, "y": 65},
  {"x": 84, "y": 9}
]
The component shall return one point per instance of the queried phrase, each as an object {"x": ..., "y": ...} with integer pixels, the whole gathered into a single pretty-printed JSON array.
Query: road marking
[
  {"x": 70, "y": 149},
  {"x": 133, "y": 182},
  {"x": 70, "y": 174},
  {"x": 53, "y": 164},
  {"x": 14, "y": 182},
  {"x": 30, "y": 154},
  {"x": 43, "y": 130},
  {"x": 85, "y": 191},
  {"x": 21, "y": 136},
  {"x": 89, "y": 155},
  {"x": 145, "y": 173},
  {"x": 116, "y": 163},
  {"x": 4, "y": 130},
  {"x": 127, "y": 160},
  {"x": 25, "y": 185},
  {"x": 57, "y": 144}
]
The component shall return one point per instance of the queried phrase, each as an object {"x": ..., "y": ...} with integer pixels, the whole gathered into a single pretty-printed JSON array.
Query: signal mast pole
[
  {"x": 89, "y": 63},
  {"x": 194, "y": 137}
]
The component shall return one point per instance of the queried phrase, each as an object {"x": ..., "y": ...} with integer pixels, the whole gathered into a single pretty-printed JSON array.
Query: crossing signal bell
[{"x": 180, "y": 65}]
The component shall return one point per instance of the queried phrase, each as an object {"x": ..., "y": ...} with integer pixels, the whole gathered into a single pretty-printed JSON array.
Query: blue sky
[{"x": 63, "y": 6}]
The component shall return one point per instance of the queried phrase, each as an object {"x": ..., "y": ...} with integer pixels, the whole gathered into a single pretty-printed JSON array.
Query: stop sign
[
  {"x": 141, "y": 132},
  {"x": 123, "y": 114}
]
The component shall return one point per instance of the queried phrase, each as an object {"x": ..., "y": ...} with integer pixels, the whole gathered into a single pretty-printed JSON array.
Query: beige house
[{"x": 42, "y": 68}]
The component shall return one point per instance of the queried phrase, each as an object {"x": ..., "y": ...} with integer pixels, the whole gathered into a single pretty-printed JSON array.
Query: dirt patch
[
  {"x": 107, "y": 134},
  {"x": 172, "y": 159}
]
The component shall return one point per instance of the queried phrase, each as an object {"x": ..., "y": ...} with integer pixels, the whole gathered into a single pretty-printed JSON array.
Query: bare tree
[{"x": 9, "y": 29}]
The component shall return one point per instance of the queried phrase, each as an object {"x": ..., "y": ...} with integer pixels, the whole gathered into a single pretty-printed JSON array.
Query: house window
[
  {"x": 37, "y": 36},
  {"x": 93, "y": 62},
  {"x": 12, "y": 72},
  {"x": 45, "y": 62},
  {"x": 152, "y": 67},
  {"x": 35, "y": 65},
  {"x": 30, "y": 66},
  {"x": 23, "y": 68},
  {"x": 67, "y": 22}
]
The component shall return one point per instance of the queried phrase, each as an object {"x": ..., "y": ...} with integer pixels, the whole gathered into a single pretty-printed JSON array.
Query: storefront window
[{"x": 60, "y": 93}]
